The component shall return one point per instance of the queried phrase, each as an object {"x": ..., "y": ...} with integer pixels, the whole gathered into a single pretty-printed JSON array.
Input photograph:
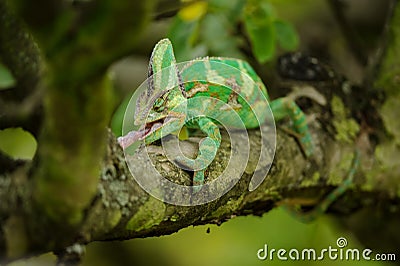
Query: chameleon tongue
[
  {"x": 131, "y": 137},
  {"x": 155, "y": 126},
  {"x": 134, "y": 136}
]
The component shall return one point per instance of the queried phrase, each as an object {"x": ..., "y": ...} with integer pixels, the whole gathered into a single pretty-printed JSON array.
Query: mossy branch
[{"x": 121, "y": 209}]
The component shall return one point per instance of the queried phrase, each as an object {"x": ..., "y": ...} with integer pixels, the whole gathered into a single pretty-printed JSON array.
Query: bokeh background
[{"x": 223, "y": 28}]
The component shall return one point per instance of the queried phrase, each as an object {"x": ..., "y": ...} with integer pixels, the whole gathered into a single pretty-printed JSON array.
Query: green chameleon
[
  {"x": 167, "y": 103},
  {"x": 165, "y": 111}
]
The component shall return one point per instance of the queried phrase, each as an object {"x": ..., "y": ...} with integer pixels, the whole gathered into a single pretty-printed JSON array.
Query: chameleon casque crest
[{"x": 206, "y": 94}]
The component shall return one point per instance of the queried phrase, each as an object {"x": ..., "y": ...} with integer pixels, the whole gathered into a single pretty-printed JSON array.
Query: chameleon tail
[{"x": 329, "y": 199}]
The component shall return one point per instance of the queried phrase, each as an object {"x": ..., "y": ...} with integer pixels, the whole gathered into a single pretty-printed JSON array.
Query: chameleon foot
[
  {"x": 286, "y": 107},
  {"x": 198, "y": 176},
  {"x": 306, "y": 144},
  {"x": 198, "y": 181}
]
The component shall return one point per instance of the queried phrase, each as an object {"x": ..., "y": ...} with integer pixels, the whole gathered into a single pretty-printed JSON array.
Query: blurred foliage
[
  {"x": 6, "y": 78},
  {"x": 17, "y": 143},
  {"x": 215, "y": 27},
  {"x": 118, "y": 118}
]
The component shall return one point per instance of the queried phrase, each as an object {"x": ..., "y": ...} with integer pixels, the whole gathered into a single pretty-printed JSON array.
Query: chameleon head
[
  {"x": 166, "y": 116},
  {"x": 165, "y": 109},
  {"x": 160, "y": 110}
]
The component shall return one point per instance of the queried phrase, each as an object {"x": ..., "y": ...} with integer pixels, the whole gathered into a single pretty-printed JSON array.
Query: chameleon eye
[{"x": 158, "y": 105}]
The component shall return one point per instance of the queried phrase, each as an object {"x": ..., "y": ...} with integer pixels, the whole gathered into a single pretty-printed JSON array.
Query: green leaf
[
  {"x": 261, "y": 32},
  {"x": 286, "y": 35},
  {"x": 17, "y": 143},
  {"x": 260, "y": 12},
  {"x": 183, "y": 35},
  {"x": 6, "y": 78},
  {"x": 258, "y": 17},
  {"x": 232, "y": 9},
  {"x": 216, "y": 35}
]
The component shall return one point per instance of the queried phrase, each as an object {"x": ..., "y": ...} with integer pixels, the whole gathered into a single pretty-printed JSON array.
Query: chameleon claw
[{"x": 198, "y": 181}]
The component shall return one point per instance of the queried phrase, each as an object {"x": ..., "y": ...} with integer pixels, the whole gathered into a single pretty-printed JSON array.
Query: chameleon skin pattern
[{"x": 168, "y": 115}]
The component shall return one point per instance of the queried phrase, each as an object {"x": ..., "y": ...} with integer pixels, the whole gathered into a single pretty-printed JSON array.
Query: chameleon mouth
[
  {"x": 155, "y": 125},
  {"x": 151, "y": 127}
]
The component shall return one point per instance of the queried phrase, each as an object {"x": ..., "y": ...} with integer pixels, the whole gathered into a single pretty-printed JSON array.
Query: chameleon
[
  {"x": 165, "y": 117},
  {"x": 158, "y": 110}
]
